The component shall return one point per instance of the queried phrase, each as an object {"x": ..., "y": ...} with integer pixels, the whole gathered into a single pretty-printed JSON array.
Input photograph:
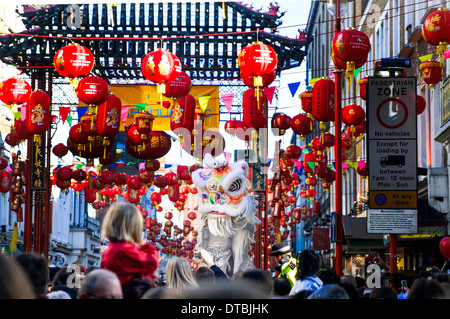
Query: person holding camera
[{"x": 128, "y": 254}]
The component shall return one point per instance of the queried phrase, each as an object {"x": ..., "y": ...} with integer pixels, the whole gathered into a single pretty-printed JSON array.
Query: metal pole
[
  {"x": 393, "y": 253},
  {"x": 337, "y": 154}
]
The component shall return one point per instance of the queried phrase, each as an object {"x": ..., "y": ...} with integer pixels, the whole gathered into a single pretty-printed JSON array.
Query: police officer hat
[{"x": 281, "y": 249}]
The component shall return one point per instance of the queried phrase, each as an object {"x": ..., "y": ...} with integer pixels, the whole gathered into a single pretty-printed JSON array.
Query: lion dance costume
[{"x": 227, "y": 211}]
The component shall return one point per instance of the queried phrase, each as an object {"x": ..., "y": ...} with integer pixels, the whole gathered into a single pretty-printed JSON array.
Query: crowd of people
[{"x": 128, "y": 266}]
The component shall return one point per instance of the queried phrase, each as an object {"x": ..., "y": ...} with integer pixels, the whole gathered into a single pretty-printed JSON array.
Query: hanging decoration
[
  {"x": 38, "y": 113},
  {"x": 73, "y": 61},
  {"x": 323, "y": 101},
  {"x": 436, "y": 31}
]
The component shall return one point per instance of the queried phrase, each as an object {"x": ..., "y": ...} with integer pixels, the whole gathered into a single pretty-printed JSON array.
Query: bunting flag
[
  {"x": 298, "y": 164},
  {"x": 17, "y": 115},
  {"x": 141, "y": 106},
  {"x": 203, "y": 101},
  {"x": 269, "y": 92},
  {"x": 227, "y": 156},
  {"x": 293, "y": 87},
  {"x": 64, "y": 112},
  {"x": 227, "y": 100},
  {"x": 167, "y": 165},
  {"x": 81, "y": 110},
  {"x": 425, "y": 57},
  {"x": 119, "y": 164},
  {"x": 313, "y": 81},
  {"x": 353, "y": 165},
  {"x": 356, "y": 72},
  {"x": 69, "y": 120},
  {"x": 124, "y": 113},
  {"x": 311, "y": 165},
  {"x": 447, "y": 54},
  {"x": 141, "y": 165},
  {"x": 361, "y": 164},
  {"x": 344, "y": 165},
  {"x": 23, "y": 112},
  {"x": 13, "y": 244},
  {"x": 80, "y": 166}
]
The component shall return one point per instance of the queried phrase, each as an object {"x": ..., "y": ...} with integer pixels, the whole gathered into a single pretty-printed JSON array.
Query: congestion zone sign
[{"x": 392, "y": 146}]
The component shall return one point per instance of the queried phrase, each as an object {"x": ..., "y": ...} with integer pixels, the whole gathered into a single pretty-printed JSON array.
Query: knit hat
[{"x": 281, "y": 249}]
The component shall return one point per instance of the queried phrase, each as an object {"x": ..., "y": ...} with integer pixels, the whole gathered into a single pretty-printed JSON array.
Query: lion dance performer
[{"x": 227, "y": 211}]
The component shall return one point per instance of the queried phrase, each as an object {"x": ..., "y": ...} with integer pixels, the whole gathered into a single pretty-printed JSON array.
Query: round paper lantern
[
  {"x": 106, "y": 177},
  {"x": 179, "y": 87},
  {"x": 107, "y": 159},
  {"x": 3, "y": 163},
  {"x": 152, "y": 165},
  {"x": 108, "y": 116},
  {"x": 210, "y": 142},
  {"x": 257, "y": 59},
  {"x": 302, "y": 125},
  {"x": 38, "y": 112},
  {"x": 20, "y": 131},
  {"x": 5, "y": 181},
  {"x": 90, "y": 150},
  {"x": 432, "y": 72},
  {"x": 135, "y": 137},
  {"x": 444, "y": 247},
  {"x": 353, "y": 115},
  {"x": 146, "y": 176},
  {"x": 293, "y": 151},
  {"x": 120, "y": 179},
  {"x": 306, "y": 101},
  {"x": 328, "y": 139},
  {"x": 230, "y": 126},
  {"x": 346, "y": 142},
  {"x": 62, "y": 184},
  {"x": 322, "y": 100},
  {"x": 93, "y": 90},
  {"x": 436, "y": 29},
  {"x": 421, "y": 104},
  {"x": 159, "y": 144},
  {"x": 73, "y": 61},
  {"x": 282, "y": 122},
  {"x": 362, "y": 169},
  {"x": 134, "y": 182},
  {"x": 351, "y": 45},
  {"x": 15, "y": 91},
  {"x": 316, "y": 144},
  {"x": 254, "y": 109},
  {"x": 161, "y": 66},
  {"x": 183, "y": 115},
  {"x": 60, "y": 150},
  {"x": 64, "y": 173},
  {"x": 144, "y": 122},
  {"x": 79, "y": 175},
  {"x": 160, "y": 181}
]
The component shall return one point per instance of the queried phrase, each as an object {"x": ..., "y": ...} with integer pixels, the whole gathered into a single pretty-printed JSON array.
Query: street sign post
[{"x": 392, "y": 151}]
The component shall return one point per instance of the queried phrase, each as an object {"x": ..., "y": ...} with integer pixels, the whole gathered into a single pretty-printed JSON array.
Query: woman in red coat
[{"x": 128, "y": 254}]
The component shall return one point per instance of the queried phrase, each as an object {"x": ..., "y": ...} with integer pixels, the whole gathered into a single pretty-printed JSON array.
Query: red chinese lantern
[
  {"x": 90, "y": 150},
  {"x": 5, "y": 181},
  {"x": 322, "y": 100},
  {"x": 79, "y": 175},
  {"x": 64, "y": 173},
  {"x": 436, "y": 30},
  {"x": 302, "y": 125},
  {"x": 134, "y": 182},
  {"x": 3, "y": 163},
  {"x": 350, "y": 46},
  {"x": 161, "y": 66},
  {"x": 316, "y": 207},
  {"x": 11, "y": 140},
  {"x": 107, "y": 159},
  {"x": 106, "y": 177},
  {"x": 20, "y": 131},
  {"x": 267, "y": 79},
  {"x": 73, "y": 61},
  {"x": 421, "y": 104},
  {"x": 362, "y": 169},
  {"x": 444, "y": 247},
  {"x": 120, "y": 179},
  {"x": 327, "y": 139},
  {"x": 293, "y": 151},
  {"x": 152, "y": 165},
  {"x": 353, "y": 115},
  {"x": 77, "y": 135},
  {"x": 15, "y": 91},
  {"x": 89, "y": 191},
  {"x": 179, "y": 87},
  {"x": 363, "y": 87},
  {"x": 230, "y": 126},
  {"x": 60, "y": 150},
  {"x": 432, "y": 72},
  {"x": 159, "y": 144},
  {"x": 253, "y": 108},
  {"x": 146, "y": 176},
  {"x": 93, "y": 90},
  {"x": 161, "y": 181},
  {"x": 282, "y": 122},
  {"x": 306, "y": 101},
  {"x": 135, "y": 137},
  {"x": 316, "y": 144},
  {"x": 183, "y": 114},
  {"x": 241, "y": 131},
  {"x": 144, "y": 122},
  {"x": 38, "y": 112},
  {"x": 257, "y": 59},
  {"x": 108, "y": 117},
  {"x": 346, "y": 142}
]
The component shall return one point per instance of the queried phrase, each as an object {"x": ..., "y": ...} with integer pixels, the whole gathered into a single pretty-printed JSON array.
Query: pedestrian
[
  {"x": 208, "y": 259},
  {"x": 383, "y": 293},
  {"x": 307, "y": 278},
  {"x": 332, "y": 291},
  {"x": 287, "y": 264},
  {"x": 281, "y": 287},
  {"x": 36, "y": 268},
  {"x": 328, "y": 276},
  {"x": 179, "y": 275},
  {"x": 128, "y": 255},
  {"x": 100, "y": 284},
  {"x": 137, "y": 287},
  {"x": 424, "y": 288},
  {"x": 204, "y": 276},
  {"x": 258, "y": 278},
  {"x": 14, "y": 282}
]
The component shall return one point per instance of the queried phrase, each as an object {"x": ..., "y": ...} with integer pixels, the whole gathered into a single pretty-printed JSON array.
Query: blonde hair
[
  {"x": 179, "y": 274},
  {"x": 123, "y": 222}
]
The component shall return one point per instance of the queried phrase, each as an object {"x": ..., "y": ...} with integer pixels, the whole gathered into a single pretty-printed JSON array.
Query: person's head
[
  {"x": 260, "y": 279},
  {"x": 204, "y": 276},
  {"x": 89, "y": 269},
  {"x": 281, "y": 286},
  {"x": 137, "y": 287},
  {"x": 328, "y": 276},
  {"x": 36, "y": 267},
  {"x": 14, "y": 282},
  {"x": 100, "y": 284},
  {"x": 308, "y": 264},
  {"x": 383, "y": 293},
  {"x": 302, "y": 294},
  {"x": 329, "y": 292},
  {"x": 281, "y": 251},
  {"x": 72, "y": 292},
  {"x": 61, "y": 276},
  {"x": 123, "y": 222},
  {"x": 395, "y": 282},
  {"x": 179, "y": 274},
  {"x": 424, "y": 288},
  {"x": 348, "y": 279}
]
